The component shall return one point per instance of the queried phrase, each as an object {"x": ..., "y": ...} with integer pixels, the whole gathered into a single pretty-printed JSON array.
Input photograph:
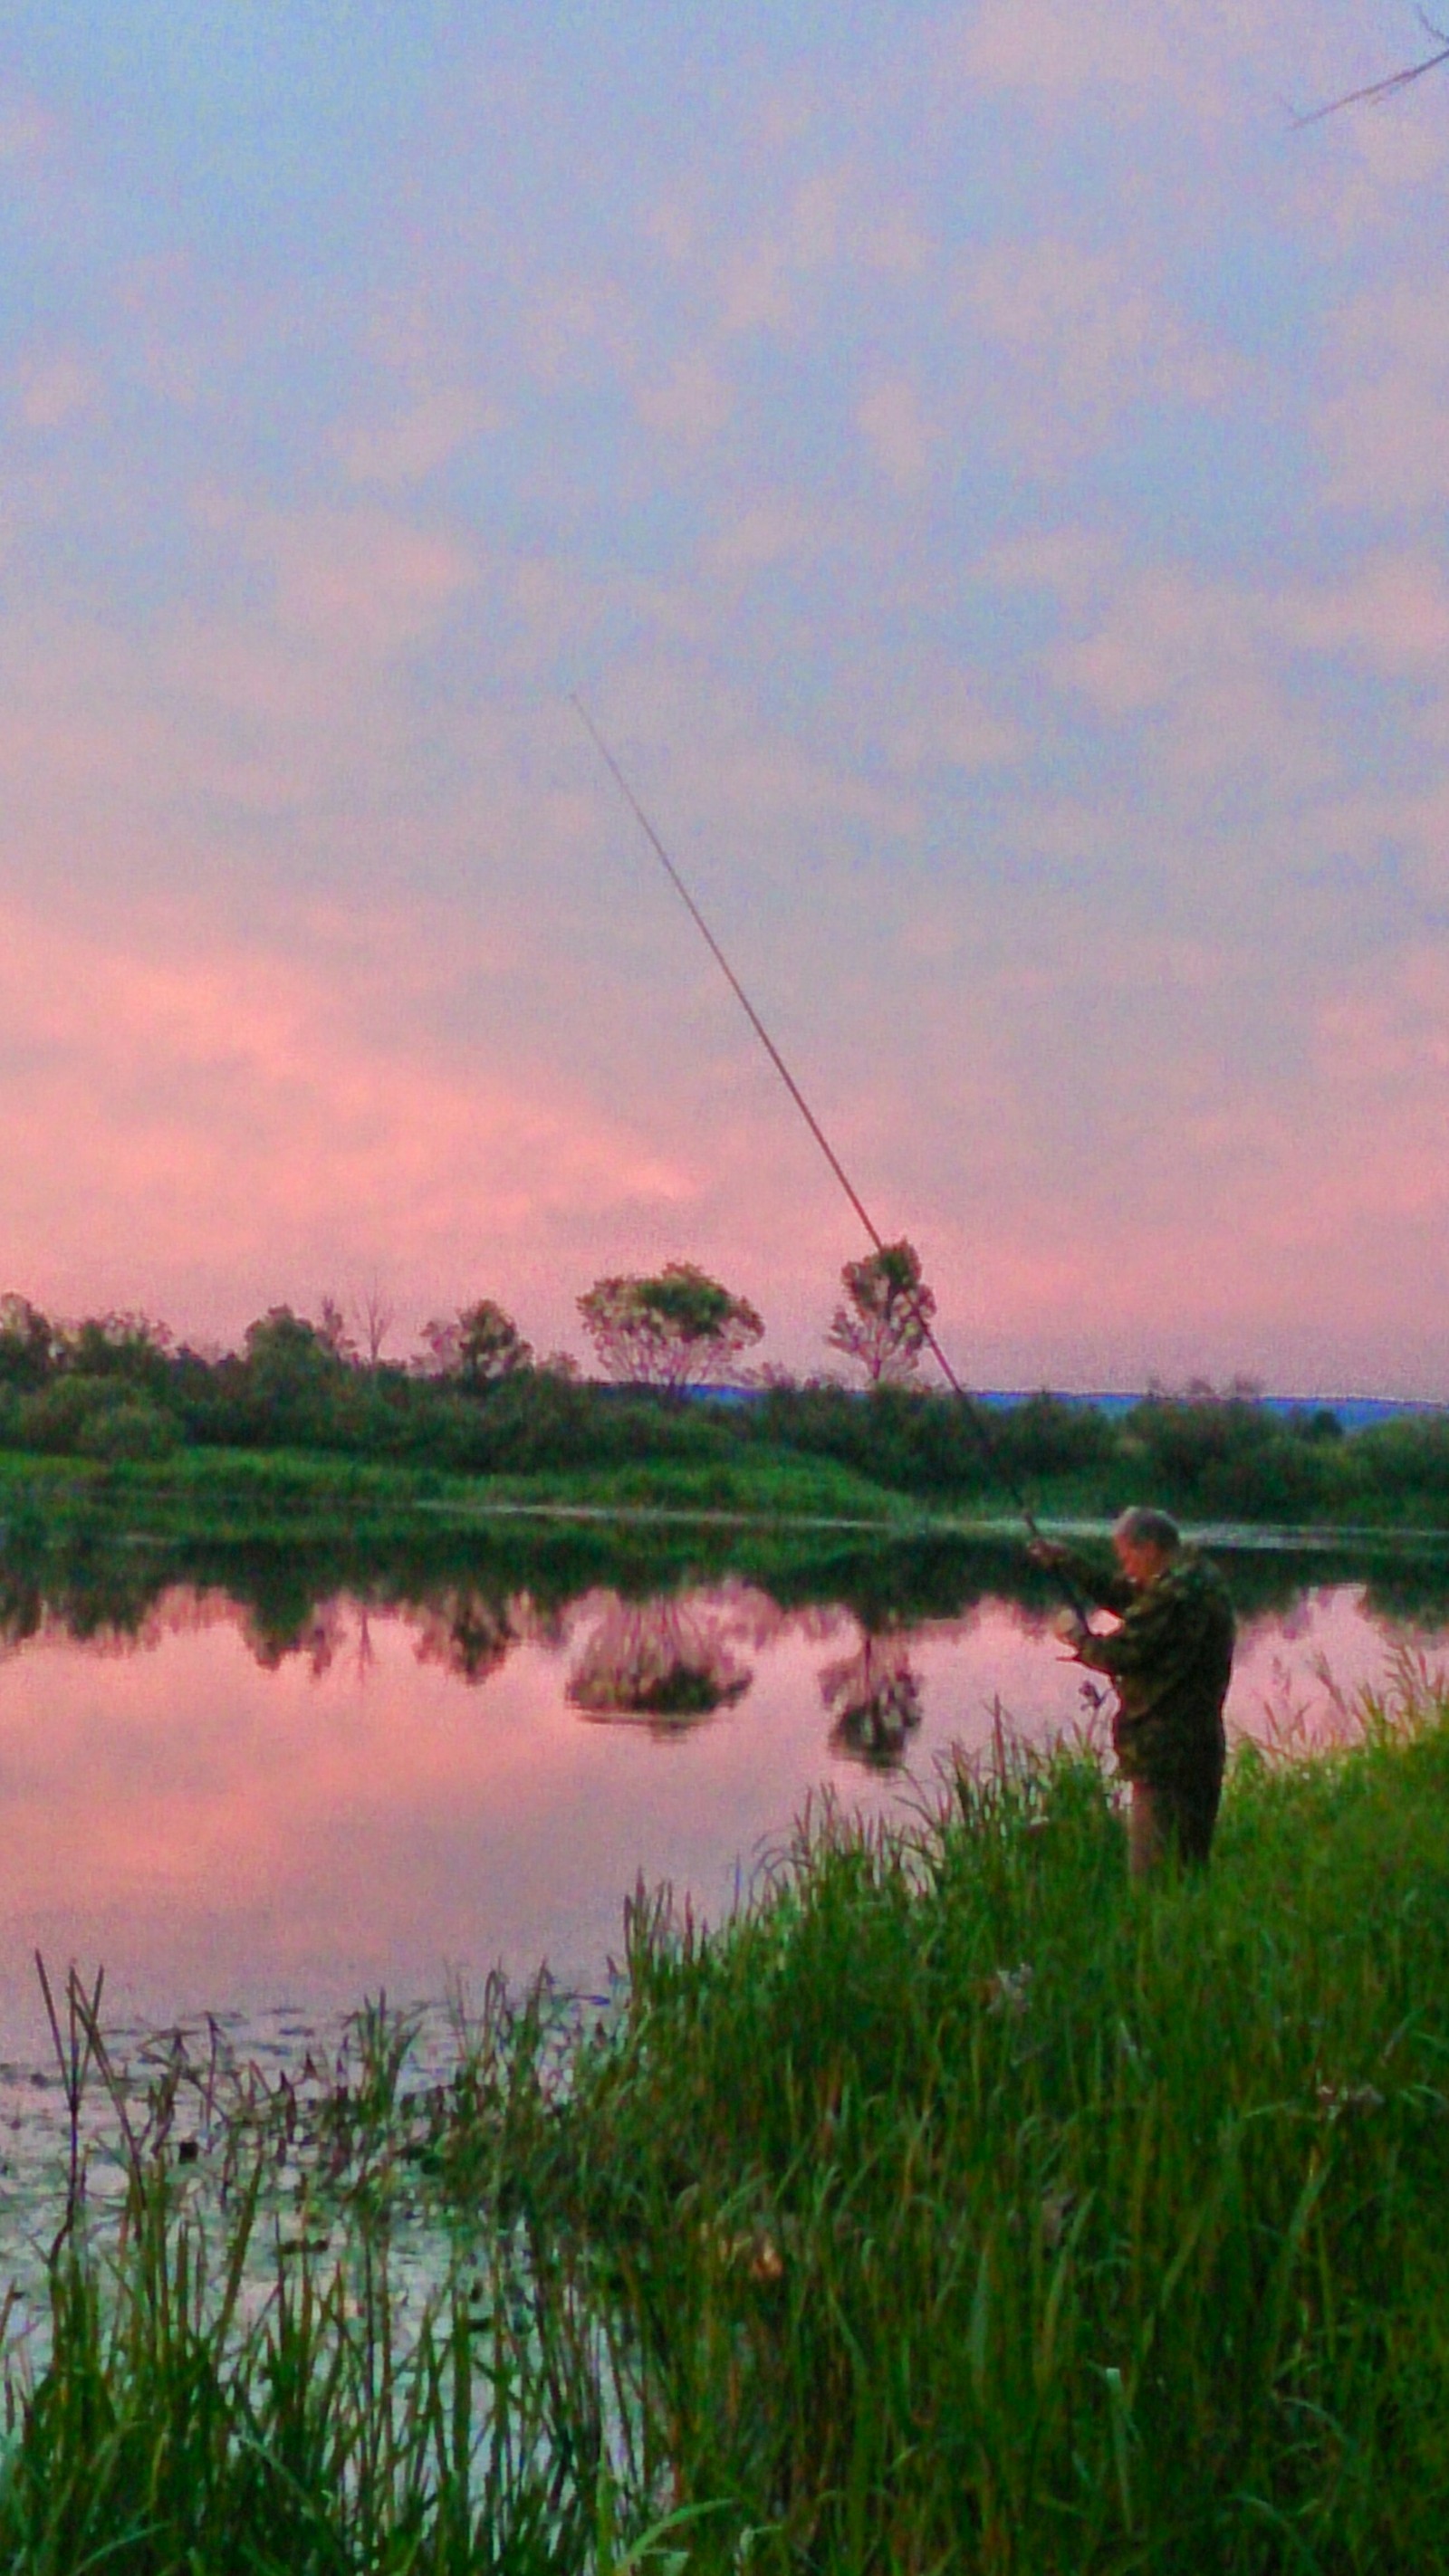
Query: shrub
[{"x": 94, "y": 1417}]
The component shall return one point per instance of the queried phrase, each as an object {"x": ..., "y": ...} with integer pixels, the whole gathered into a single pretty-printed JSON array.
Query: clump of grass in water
[
  {"x": 232, "y": 2381},
  {"x": 955, "y": 2206}
]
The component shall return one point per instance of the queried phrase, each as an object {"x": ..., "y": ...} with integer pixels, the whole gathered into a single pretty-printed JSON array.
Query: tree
[
  {"x": 374, "y": 1314},
  {"x": 677, "y": 1329},
  {"x": 126, "y": 1345},
  {"x": 28, "y": 1343},
  {"x": 478, "y": 1345},
  {"x": 332, "y": 1333},
  {"x": 289, "y": 1359},
  {"x": 882, "y": 1324}
]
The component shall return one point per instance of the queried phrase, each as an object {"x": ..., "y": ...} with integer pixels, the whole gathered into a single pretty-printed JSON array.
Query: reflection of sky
[
  {"x": 220, "y": 1833},
  {"x": 986, "y": 469}
]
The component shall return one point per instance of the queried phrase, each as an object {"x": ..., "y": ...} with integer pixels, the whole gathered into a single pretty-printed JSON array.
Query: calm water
[{"x": 270, "y": 1831}]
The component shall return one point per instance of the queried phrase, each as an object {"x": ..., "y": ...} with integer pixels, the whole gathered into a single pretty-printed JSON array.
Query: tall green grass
[
  {"x": 968, "y": 2210},
  {"x": 955, "y": 2207}
]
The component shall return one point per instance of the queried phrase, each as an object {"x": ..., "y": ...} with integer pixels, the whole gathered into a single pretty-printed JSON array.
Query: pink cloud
[
  {"x": 179, "y": 1109},
  {"x": 1064, "y": 45},
  {"x": 1199, "y": 53},
  {"x": 29, "y": 129},
  {"x": 414, "y": 442},
  {"x": 1393, "y": 613},
  {"x": 692, "y": 401},
  {"x": 54, "y": 386},
  {"x": 763, "y": 278},
  {"x": 762, "y": 532},
  {"x": 368, "y": 582},
  {"x": 1384, "y": 407},
  {"x": 952, "y": 725},
  {"x": 1081, "y": 334},
  {"x": 893, "y": 421}
]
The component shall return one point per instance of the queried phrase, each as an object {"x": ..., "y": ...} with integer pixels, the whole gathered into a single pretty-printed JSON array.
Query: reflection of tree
[
  {"x": 22, "y": 1607},
  {"x": 669, "y": 1660},
  {"x": 874, "y": 1700},
  {"x": 318, "y": 1633},
  {"x": 468, "y": 1632}
]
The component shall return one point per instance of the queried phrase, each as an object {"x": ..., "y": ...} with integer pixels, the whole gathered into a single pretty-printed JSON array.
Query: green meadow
[{"x": 953, "y": 2206}]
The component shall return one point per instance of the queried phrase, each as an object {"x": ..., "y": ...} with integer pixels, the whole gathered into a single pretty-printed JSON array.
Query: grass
[
  {"x": 255, "y": 1495},
  {"x": 954, "y": 2207}
]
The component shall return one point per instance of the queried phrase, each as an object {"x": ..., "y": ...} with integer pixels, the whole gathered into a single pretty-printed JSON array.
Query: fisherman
[{"x": 1169, "y": 1660}]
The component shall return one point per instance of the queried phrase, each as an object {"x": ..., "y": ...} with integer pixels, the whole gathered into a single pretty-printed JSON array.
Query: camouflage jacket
[{"x": 1169, "y": 1661}]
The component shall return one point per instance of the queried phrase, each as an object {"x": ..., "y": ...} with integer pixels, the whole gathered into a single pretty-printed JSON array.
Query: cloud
[
  {"x": 763, "y": 278},
  {"x": 1392, "y": 613},
  {"x": 29, "y": 129},
  {"x": 692, "y": 401},
  {"x": 54, "y": 386},
  {"x": 893, "y": 422},
  {"x": 1386, "y": 399},
  {"x": 238, "y": 1118},
  {"x": 417, "y": 441},
  {"x": 756, "y": 534},
  {"x": 369, "y": 583},
  {"x": 1069, "y": 562},
  {"x": 951, "y": 726},
  {"x": 1237, "y": 682},
  {"x": 1196, "y": 53},
  {"x": 1081, "y": 334},
  {"x": 1063, "y": 45}
]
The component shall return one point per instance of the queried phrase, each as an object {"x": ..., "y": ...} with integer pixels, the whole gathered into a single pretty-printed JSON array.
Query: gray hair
[{"x": 1142, "y": 1527}]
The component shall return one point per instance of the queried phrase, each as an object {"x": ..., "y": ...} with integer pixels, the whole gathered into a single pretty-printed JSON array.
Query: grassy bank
[
  {"x": 94, "y": 1547},
  {"x": 952, "y": 2208},
  {"x": 255, "y": 1495}
]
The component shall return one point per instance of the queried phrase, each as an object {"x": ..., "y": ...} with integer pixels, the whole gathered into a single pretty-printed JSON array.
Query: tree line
[
  {"x": 476, "y": 1398},
  {"x": 670, "y": 1331}
]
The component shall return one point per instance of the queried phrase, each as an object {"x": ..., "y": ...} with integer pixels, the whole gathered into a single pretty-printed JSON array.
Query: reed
[{"x": 961, "y": 2208}]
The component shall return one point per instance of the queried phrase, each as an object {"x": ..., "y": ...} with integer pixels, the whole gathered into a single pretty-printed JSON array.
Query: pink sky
[{"x": 986, "y": 471}]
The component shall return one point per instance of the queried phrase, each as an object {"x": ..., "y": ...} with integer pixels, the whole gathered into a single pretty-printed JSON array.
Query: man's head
[{"x": 1146, "y": 1543}]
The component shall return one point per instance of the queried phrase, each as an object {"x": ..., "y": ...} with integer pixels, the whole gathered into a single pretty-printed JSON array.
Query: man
[{"x": 1169, "y": 1660}]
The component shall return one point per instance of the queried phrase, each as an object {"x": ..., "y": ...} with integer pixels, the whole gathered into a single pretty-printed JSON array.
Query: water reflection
[
  {"x": 874, "y": 1700},
  {"x": 232, "y": 1806},
  {"x": 670, "y": 1662}
]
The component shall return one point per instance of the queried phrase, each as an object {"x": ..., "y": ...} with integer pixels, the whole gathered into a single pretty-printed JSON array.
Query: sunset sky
[{"x": 985, "y": 467}]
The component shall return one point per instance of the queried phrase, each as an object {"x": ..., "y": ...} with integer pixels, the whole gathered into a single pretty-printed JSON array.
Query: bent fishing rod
[{"x": 972, "y": 1411}]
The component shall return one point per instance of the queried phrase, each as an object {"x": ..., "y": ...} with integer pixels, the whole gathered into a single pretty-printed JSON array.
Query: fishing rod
[{"x": 973, "y": 1412}]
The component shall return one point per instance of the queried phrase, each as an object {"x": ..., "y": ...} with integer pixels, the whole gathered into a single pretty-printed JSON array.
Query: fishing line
[{"x": 972, "y": 1410}]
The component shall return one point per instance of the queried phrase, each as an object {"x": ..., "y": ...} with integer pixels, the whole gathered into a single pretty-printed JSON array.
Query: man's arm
[
  {"x": 1157, "y": 1628},
  {"x": 1107, "y": 1591}
]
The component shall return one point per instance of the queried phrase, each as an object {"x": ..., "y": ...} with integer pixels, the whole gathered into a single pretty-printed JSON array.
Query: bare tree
[
  {"x": 374, "y": 1313},
  {"x": 332, "y": 1333}
]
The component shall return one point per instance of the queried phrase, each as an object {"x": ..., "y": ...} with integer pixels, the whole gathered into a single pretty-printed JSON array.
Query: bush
[
  {"x": 129, "y": 1430},
  {"x": 94, "y": 1417}
]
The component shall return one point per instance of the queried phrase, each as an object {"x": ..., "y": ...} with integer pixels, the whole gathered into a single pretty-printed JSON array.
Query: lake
[{"x": 269, "y": 1822}]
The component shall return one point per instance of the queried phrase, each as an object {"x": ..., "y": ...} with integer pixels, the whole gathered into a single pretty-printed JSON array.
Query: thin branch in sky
[{"x": 1395, "y": 81}]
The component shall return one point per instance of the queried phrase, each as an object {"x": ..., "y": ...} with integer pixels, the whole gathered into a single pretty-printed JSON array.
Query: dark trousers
[{"x": 1168, "y": 1826}]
